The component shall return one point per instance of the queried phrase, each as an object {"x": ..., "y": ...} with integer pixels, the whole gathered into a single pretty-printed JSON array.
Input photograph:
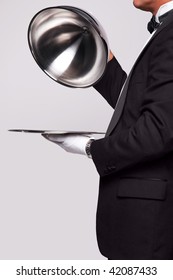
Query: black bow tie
[{"x": 153, "y": 24}]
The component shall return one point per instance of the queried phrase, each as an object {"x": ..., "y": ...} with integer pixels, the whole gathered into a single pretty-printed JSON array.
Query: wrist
[{"x": 87, "y": 148}]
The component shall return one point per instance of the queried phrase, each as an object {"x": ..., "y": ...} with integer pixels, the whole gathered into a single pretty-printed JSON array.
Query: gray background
[{"x": 48, "y": 197}]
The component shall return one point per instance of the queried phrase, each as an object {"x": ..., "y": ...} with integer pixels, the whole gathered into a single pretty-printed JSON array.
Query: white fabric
[
  {"x": 163, "y": 10},
  {"x": 72, "y": 143}
]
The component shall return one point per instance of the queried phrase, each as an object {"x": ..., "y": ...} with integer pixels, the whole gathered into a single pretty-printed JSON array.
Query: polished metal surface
[
  {"x": 69, "y": 45},
  {"x": 57, "y": 132}
]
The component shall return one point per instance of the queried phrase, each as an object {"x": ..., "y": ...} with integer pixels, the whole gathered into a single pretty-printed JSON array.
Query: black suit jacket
[{"x": 135, "y": 162}]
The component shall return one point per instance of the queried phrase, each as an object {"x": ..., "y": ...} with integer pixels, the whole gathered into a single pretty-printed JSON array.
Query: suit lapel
[
  {"x": 167, "y": 21},
  {"x": 121, "y": 100}
]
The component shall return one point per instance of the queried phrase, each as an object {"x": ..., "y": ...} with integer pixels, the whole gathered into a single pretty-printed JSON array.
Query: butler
[{"x": 135, "y": 159}]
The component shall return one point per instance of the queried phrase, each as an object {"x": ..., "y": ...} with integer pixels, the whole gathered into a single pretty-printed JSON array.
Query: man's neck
[
  {"x": 163, "y": 9},
  {"x": 159, "y": 5}
]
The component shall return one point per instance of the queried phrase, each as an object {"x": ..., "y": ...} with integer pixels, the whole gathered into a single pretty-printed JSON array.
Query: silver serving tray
[{"x": 55, "y": 131}]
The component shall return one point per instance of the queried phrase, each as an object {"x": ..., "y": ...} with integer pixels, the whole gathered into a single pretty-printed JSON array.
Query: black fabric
[
  {"x": 135, "y": 161},
  {"x": 121, "y": 100},
  {"x": 152, "y": 25}
]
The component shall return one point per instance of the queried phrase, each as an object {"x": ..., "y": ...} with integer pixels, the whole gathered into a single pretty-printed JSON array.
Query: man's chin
[
  {"x": 142, "y": 8},
  {"x": 138, "y": 5}
]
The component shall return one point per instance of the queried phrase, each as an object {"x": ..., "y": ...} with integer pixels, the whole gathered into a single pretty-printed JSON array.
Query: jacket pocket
[{"x": 148, "y": 188}]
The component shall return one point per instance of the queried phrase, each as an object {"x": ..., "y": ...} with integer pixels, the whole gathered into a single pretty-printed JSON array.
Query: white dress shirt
[{"x": 163, "y": 10}]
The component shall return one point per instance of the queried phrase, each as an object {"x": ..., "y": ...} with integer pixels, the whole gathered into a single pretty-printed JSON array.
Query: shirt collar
[{"x": 163, "y": 9}]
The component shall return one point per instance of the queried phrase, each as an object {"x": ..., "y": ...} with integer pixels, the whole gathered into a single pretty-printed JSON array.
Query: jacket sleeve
[
  {"x": 110, "y": 85},
  {"x": 151, "y": 136}
]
